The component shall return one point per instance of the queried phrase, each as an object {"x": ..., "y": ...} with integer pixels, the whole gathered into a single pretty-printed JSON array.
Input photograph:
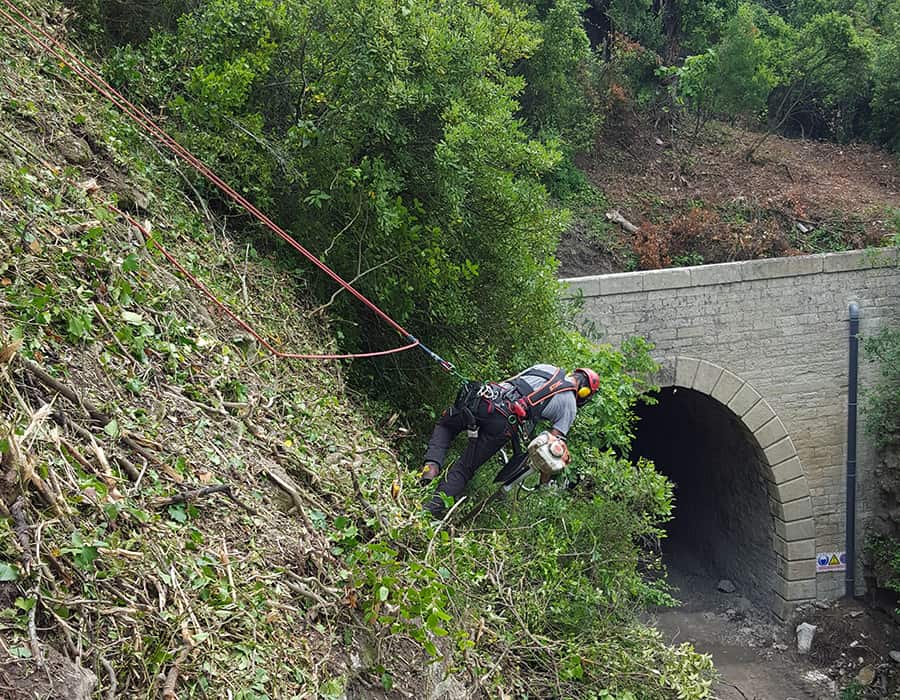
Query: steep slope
[
  {"x": 708, "y": 203},
  {"x": 169, "y": 523},
  {"x": 185, "y": 516}
]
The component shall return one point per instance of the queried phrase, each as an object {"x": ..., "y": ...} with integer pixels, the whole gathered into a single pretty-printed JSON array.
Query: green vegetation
[
  {"x": 881, "y": 408},
  {"x": 422, "y": 150},
  {"x": 882, "y": 400},
  {"x": 823, "y": 68},
  {"x": 302, "y": 575},
  {"x": 386, "y": 139}
]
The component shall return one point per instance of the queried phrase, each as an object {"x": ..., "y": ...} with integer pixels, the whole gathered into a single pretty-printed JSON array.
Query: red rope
[
  {"x": 243, "y": 324},
  {"x": 142, "y": 118}
]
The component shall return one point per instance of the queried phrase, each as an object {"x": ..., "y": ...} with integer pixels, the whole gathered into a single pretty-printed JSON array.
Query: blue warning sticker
[{"x": 831, "y": 561}]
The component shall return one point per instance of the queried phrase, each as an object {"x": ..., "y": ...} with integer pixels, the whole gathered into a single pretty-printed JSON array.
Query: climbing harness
[
  {"x": 522, "y": 409},
  {"x": 57, "y": 49}
]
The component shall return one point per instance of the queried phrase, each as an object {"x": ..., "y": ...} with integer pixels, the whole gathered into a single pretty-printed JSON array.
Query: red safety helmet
[{"x": 588, "y": 383}]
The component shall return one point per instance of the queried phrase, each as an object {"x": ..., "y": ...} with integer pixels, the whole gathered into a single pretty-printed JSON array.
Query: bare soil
[
  {"x": 756, "y": 655},
  {"x": 713, "y": 205}
]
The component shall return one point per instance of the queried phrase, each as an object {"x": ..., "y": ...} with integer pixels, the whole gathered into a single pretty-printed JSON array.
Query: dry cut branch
[
  {"x": 51, "y": 382},
  {"x": 616, "y": 217},
  {"x": 193, "y": 494}
]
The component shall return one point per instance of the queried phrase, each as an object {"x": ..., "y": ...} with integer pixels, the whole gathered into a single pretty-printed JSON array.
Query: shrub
[
  {"x": 386, "y": 138},
  {"x": 882, "y": 400},
  {"x": 554, "y": 577},
  {"x": 883, "y": 551}
]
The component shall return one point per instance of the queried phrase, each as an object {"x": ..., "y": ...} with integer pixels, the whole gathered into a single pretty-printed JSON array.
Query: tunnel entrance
[{"x": 722, "y": 527}]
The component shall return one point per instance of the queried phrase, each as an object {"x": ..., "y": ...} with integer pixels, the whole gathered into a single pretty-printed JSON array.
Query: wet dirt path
[{"x": 753, "y": 653}]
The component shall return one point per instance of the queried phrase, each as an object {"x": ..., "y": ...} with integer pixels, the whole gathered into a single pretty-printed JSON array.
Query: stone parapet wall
[{"x": 776, "y": 333}]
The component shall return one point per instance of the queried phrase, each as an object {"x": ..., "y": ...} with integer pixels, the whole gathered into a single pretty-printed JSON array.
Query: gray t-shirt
[{"x": 559, "y": 410}]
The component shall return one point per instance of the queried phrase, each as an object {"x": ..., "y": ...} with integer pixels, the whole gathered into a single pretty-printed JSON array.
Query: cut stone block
[
  {"x": 795, "y": 570},
  {"x": 799, "y": 549},
  {"x": 789, "y": 490},
  {"x": 795, "y": 529},
  {"x": 780, "y": 451},
  {"x": 795, "y": 510},
  {"x": 787, "y": 470},
  {"x": 745, "y": 399},
  {"x": 625, "y": 283},
  {"x": 685, "y": 371},
  {"x": 706, "y": 377},
  {"x": 672, "y": 278},
  {"x": 723, "y": 273},
  {"x": 770, "y": 433},
  {"x": 758, "y": 416},
  {"x": 726, "y": 387},
  {"x": 581, "y": 286},
  {"x": 803, "y": 589}
]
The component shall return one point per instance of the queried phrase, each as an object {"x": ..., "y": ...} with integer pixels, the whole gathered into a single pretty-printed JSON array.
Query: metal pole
[{"x": 852, "y": 380}]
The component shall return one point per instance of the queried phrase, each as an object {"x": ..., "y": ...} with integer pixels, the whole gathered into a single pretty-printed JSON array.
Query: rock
[
  {"x": 805, "y": 634},
  {"x": 131, "y": 198},
  {"x": 895, "y": 656},
  {"x": 61, "y": 679},
  {"x": 866, "y": 675},
  {"x": 443, "y": 686},
  {"x": 726, "y": 586},
  {"x": 821, "y": 681},
  {"x": 74, "y": 149}
]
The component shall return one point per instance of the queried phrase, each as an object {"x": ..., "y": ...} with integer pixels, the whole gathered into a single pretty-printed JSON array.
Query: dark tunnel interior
[{"x": 722, "y": 527}]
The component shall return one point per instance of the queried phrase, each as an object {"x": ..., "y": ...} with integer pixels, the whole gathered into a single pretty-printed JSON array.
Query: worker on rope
[{"x": 494, "y": 413}]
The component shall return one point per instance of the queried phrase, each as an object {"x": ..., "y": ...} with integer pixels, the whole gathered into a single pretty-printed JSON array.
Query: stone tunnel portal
[{"x": 722, "y": 526}]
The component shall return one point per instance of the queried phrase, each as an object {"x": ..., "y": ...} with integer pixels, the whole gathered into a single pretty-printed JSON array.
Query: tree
[
  {"x": 818, "y": 79},
  {"x": 730, "y": 79},
  {"x": 672, "y": 27},
  {"x": 388, "y": 138},
  {"x": 885, "y": 125},
  {"x": 561, "y": 95}
]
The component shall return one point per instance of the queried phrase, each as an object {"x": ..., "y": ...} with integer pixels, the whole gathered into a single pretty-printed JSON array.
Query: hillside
[
  {"x": 184, "y": 515},
  {"x": 713, "y": 205},
  {"x": 166, "y": 528}
]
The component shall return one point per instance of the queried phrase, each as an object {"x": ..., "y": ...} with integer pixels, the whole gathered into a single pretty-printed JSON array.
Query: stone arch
[{"x": 790, "y": 504}]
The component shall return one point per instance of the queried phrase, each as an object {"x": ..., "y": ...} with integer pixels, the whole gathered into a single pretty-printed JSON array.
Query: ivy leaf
[
  {"x": 130, "y": 317},
  {"x": 130, "y": 264},
  {"x": 8, "y": 572},
  {"x": 178, "y": 513}
]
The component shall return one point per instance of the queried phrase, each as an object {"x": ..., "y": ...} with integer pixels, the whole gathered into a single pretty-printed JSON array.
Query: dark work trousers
[{"x": 493, "y": 432}]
